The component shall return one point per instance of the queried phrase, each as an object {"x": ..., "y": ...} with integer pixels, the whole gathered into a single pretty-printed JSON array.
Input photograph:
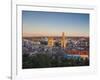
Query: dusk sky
[{"x": 39, "y": 23}]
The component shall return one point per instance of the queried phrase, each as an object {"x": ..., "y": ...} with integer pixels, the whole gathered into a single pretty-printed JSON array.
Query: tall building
[
  {"x": 50, "y": 41},
  {"x": 63, "y": 40}
]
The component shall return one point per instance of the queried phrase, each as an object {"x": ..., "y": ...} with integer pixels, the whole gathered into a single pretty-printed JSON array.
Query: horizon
[{"x": 55, "y": 36}]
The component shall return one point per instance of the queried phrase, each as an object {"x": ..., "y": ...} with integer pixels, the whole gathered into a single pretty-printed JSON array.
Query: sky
[{"x": 41, "y": 23}]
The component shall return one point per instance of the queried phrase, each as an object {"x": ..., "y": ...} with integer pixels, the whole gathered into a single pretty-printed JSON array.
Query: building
[
  {"x": 63, "y": 40},
  {"x": 50, "y": 41}
]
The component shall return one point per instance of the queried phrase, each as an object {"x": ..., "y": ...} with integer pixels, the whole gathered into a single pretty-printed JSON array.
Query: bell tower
[{"x": 63, "y": 40}]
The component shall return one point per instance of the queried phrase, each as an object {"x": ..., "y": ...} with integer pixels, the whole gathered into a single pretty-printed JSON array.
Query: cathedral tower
[{"x": 63, "y": 40}]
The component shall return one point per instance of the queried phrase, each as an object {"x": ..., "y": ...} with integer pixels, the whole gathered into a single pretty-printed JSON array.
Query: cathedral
[{"x": 63, "y": 41}]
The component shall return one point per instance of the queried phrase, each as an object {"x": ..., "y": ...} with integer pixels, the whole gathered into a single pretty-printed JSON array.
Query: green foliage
[
  {"x": 44, "y": 42},
  {"x": 44, "y": 61},
  {"x": 57, "y": 44}
]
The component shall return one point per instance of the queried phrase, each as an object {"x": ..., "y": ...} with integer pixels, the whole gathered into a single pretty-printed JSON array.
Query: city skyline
[{"x": 40, "y": 23}]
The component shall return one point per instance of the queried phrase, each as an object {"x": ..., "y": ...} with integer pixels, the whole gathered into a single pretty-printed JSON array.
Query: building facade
[{"x": 63, "y": 40}]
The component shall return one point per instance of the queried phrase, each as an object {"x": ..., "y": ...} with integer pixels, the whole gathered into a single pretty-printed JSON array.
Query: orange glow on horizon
[{"x": 34, "y": 34}]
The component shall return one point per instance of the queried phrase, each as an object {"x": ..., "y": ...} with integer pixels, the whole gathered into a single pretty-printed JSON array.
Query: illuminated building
[
  {"x": 63, "y": 40},
  {"x": 50, "y": 41}
]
